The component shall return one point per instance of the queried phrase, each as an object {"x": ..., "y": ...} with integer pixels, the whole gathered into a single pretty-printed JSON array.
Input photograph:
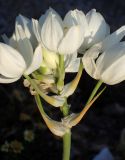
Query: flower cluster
[{"x": 44, "y": 50}]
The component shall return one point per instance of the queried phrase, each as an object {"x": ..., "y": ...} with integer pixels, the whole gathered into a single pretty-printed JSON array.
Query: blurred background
[{"x": 23, "y": 134}]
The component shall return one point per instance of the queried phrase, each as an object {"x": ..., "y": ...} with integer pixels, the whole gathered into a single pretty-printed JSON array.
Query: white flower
[
  {"x": 55, "y": 36},
  {"x": 23, "y": 57},
  {"x": 14, "y": 64},
  {"x": 106, "y": 60},
  {"x": 98, "y": 28},
  {"x": 94, "y": 27},
  {"x": 26, "y": 24},
  {"x": 58, "y": 38}
]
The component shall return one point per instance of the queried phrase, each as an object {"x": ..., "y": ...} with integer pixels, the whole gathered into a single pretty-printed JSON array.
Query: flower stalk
[
  {"x": 66, "y": 145},
  {"x": 61, "y": 73},
  {"x": 67, "y": 136},
  {"x": 93, "y": 93}
]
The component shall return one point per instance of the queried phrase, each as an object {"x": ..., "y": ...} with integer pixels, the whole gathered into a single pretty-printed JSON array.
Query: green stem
[
  {"x": 67, "y": 136},
  {"x": 61, "y": 73},
  {"x": 66, "y": 145},
  {"x": 99, "y": 83},
  {"x": 65, "y": 109}
]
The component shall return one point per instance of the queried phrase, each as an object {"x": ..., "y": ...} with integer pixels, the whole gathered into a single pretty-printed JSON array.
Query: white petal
[
  {"x": 68, "y": 58},
  {"x": 52, "y": 32},
  {"x": 36, "y": 30},
  {"x": 89, "y": 61},
  {"x": 72, "y": 41},
  {"x": 112, "y": 64},
  {"x": 36, "y": 61},
  {"x": 7, "y": 80},
  {"x": 113, "y": 39},
  {"x": 74, "y": 66},
  {"x": 110, "y": 56},
  {"x": 12, "y": 63},
  {"x": 52, "y": 11},
  {"x": 75, "y": 17},
  {"x": 97, "y": 26},
  {"x": 72, "y": 63},
  {"x": 22, "y": 20},
  {"x": 24, "y": 45},
  {"x": 27, "y": 27},
  {"x": 42, "y": 20}
]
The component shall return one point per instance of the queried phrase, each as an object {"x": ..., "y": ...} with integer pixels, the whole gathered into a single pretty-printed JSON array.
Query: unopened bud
[{"x": 26, "y": 83}]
